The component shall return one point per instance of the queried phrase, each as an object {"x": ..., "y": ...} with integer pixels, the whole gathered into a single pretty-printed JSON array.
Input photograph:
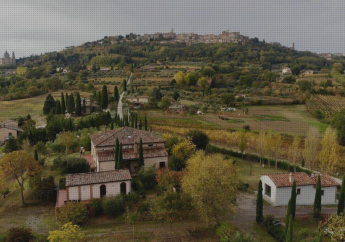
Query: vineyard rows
[{"x": 328, "y": 105}]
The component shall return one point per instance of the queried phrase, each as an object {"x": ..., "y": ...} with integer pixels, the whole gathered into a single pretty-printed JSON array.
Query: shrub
[
  {"x": 74, "y": 212},
  {"x": 148, "y": 178},
  {"x": 113, "y": 206},
  {"x": 19, "y": 235},
  {"x": 71, "y": 165},
  {"x": 199, "y": 138},
  {"x": 97, "y": 206}
]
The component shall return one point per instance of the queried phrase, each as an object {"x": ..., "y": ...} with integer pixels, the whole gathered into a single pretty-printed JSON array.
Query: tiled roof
[
  {"x": 283, "y": 179},
  {"x": 125, "y": 135},
  {"x": 129, "y": 154},
  {"x": 301, "y": 179},
  {"x": 97, "y": 177},
  {"x": 9, "y": 126},
  {"x": 326, "y": 181}
]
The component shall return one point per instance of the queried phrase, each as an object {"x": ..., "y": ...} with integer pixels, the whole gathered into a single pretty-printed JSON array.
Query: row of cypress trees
[
  {"x": 126, "y": 122},
  {"x": 291, "y": 210},
  {"x": 67, "y": 103},
  {"x": 119, "y": 155}
]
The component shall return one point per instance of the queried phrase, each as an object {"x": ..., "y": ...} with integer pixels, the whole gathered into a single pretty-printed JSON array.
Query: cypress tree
[
  {"x": 58, "y": 107},
  {"x": 70, "y": 125},
  {"x": 341, "y": 202},
  {"x": 293, "y": 200},
  {"x": 317, "y": 201},
  {"x": 140, "y": 124},
  {"x": 84, "y": 106},
  {"x": 141, "y": 153},
  {"x": 145, "y": 123},
  {"x": 259, "y": 205},
  {"x": 120, "y": 159},
  {"x": 70, "y": 104},
  {"x": 287, "y": 217},
  {"x": 124, "y": 85},
  {"x": 63, "y": 104},
  {"x": 104, "y": 97},
  {"x": 289, "y": 233},
  {"x": 112, "y": 125},
  {"x": 117, "y": 150},
  {"x": 49, "y": 104},
  {"x": 78, "y": 105},
  {"x": 116, "y": 94},
  {"x": 136, "y": 121},
  {"x": 36, "y": 154}
]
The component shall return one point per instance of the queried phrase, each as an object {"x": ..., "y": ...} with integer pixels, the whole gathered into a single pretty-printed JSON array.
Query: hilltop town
[{"x": 172, "y": 137}]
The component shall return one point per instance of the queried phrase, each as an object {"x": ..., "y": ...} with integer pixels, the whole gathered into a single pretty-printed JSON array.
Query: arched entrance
[
  {"x": 123, "y": 188},
  {"x": 103, "y": 191}
]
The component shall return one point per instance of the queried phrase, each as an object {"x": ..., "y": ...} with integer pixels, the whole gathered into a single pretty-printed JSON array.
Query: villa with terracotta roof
[
  {"x": 9, "y": 129},
  {"x": 85, "y": 186},
  {"x": 103, "y": 149},
  {"x": 277, "y": 188}
]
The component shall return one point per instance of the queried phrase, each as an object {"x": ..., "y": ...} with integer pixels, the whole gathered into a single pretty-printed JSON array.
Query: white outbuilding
[
  {"x": 86, "y": 186},
  {"x": 277, "y": 188}
]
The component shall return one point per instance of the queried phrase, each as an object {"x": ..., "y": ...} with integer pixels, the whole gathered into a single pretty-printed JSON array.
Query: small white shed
[{"x": 277, "y": 188}]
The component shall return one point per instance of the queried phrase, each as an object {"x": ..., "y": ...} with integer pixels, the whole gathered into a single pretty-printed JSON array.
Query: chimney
[{"x": 291, "y": 178}]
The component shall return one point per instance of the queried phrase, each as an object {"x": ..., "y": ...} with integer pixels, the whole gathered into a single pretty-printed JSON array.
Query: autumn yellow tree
[
  {"x": 295, "y": 151},
  {"x": 276, "y": 147},
  {"x": 181, "y": 79},
  {"x": 68, "y": 233},
  {"x": 329, "y": 154},
  {"x": 311, "y": 147},
  {"x": 18, "y": 166},
  {"x": 242, "y": 142},
  {"x": 261, "y": 144},
  {"x": 67, "y": 139},
  {"x": 212, "y": 183}
]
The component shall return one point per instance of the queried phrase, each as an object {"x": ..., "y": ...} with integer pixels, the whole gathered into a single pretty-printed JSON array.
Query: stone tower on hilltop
[{"x": 7, "y": 60}]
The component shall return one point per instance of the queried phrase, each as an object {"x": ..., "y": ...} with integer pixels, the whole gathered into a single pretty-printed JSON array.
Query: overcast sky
[{"x": 37, "y": 26}]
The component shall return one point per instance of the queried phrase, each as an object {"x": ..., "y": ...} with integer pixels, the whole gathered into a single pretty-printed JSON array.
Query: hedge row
[{"x": 280, "y": 164}]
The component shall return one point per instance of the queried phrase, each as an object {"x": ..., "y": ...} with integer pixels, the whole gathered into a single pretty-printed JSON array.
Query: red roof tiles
[
  {"x": 301, "y": 179},
  {"x": 130, "y": 154},
  {"x": 126, "y": 135},
  {"x": 97, "y": 177}
]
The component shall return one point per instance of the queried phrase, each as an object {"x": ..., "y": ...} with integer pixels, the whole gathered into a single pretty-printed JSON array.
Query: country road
[{"x": 119, "y": 106}]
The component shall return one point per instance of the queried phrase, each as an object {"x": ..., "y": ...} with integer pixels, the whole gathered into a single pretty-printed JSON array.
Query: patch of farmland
[{"x": 327, "y": 105}]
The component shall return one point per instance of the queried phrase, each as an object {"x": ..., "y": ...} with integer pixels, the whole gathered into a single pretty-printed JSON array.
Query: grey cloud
[{"x": 35, "y": 26}]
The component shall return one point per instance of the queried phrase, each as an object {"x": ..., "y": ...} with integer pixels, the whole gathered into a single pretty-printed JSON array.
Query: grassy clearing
[
  {"x": 271, "y": 118},
  {"x": 243, "y": 171}
]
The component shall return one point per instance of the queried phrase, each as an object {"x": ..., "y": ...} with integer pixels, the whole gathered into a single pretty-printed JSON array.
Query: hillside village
[{"x": 173, "y": 137}]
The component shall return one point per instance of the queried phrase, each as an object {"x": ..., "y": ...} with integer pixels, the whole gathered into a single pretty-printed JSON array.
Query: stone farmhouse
[
  {"x": 9, "y": 129},
  {"x": 103, "y": 149},
  {"x": 83, "y": 187},
  {"x": 277, "y": 188}
]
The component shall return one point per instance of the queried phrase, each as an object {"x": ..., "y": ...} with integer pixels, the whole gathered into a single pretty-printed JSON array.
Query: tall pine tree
[
  {"x": 145, "y": 124},
  {"x": 141, "y": 153},
  {"x": 120, "y": 159},
  {"x": 116, "y": 94},
  {"x": 49, "y": 104},
  {"x": 84, "y": 106},
  {"x": 58, "y": 107},
  {"x": 36, "y": 154},
  {"x": 317, "y": 201},
  {"x": 104, "y": 97},
  {"x": 289, "y": 233},
  {"x": 117, "y": 150},
  {"x": 341, "y": 202},
  {"x": 288, "y": 215},
  {"x": 124, "y": 85},
  {"x": 259, "y": 205},
  {"x": 63, "y": 104},
  {"x": 78, "y": 105},
  {"x": 293, "y": 200}
]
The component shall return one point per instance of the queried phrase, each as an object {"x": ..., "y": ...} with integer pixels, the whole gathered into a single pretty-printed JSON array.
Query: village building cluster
[
  {"x": 104, "y": 180},
  {"x": 7, "y": 60}
]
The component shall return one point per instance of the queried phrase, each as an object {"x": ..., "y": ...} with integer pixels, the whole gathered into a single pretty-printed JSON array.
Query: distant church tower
[{"x": 13, "y": 58}]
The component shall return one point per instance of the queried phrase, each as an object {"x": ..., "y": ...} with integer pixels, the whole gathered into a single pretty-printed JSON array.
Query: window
[
  {"x": 267, "y": 190},
  {"x": 322, "y": 191},
  {"x": 9, "y": 134},
  {"x": 298, "y": 191},
  {"x": 150, "y": 145}
]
